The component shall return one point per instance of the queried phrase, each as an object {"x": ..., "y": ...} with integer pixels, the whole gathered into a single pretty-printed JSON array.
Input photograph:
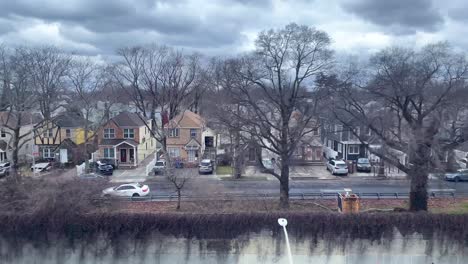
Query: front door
[{"x": 123, "y": 155}]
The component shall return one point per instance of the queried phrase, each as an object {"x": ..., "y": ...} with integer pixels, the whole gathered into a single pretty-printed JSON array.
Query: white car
[
  {"x": 4, "y": 168},
  {"x": 127, "y": 190},
  {"x": 41, "y": 167},
  {"x": 337, "y": 167}
]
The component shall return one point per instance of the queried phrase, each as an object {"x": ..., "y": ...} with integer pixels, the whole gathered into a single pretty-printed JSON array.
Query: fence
[
  {"x": 80, "y": 169},
  {"x": 292, "y": 196},
  {"x": 149, "y": 167}
]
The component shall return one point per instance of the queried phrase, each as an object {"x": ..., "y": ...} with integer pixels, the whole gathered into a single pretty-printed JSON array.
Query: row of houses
[{"x": 126, "y": 138}]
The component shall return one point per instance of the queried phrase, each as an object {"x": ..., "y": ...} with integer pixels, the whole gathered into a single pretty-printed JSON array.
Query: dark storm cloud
[
  {"x": 181, "y": 22},
  {"x": 398, "y": 16}
]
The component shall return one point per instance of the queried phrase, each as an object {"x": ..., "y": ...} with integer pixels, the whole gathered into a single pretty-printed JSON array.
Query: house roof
[
  {"x": 187, "y": 119},
  {"x": 127, "y": 119},
  {"x": 115, "y": 142},
  {"x": 10, "y": 119},
  {"x": 69, "y": 120}
]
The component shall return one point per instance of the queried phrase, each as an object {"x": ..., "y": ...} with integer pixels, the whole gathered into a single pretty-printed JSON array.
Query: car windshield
[
  {"x": 139, "y": 185},
  {"x": 205, "y": 163},
  {"x": 341, "y": 165},
  {"x": 364, "y": 161},
  {"x": 160, "y": 163},
  {"x": 266, "y": 162}
]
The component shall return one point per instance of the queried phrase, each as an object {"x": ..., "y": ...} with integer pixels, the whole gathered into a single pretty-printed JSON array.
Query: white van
[{"x": 41, "y": 167}]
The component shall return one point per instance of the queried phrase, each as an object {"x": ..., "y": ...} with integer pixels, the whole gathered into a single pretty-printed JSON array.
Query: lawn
[{"x": 223, "y": 170}]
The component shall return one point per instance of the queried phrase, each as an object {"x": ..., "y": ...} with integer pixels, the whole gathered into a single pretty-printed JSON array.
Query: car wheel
[
  {"x": 456, "y": 179},
  {"x": 135, "y": 195},
  {"x": 107, "y": 196}
]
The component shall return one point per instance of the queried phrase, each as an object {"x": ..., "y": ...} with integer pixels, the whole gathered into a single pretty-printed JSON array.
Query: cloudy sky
[{"x": 214, "y": 27}]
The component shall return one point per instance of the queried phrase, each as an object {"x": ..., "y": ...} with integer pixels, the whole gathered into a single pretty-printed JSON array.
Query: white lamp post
[{"x": 283, "y": 222}]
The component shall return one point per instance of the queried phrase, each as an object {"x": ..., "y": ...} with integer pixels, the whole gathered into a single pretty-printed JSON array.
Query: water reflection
[{"x": 254, "y": 248}]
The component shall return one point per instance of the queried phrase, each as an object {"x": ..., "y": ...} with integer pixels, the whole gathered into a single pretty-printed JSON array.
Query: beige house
[{"x": 189, "y": 140}]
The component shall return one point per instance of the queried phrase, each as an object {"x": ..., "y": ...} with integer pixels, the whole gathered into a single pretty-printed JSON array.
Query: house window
[
  {"x": 109, "y": 133},
  {"x": 174, "y": 152},
  {"x": 48, "y": 133},
  {"x": 68, "y": 133},
  {"x": 353, "y": 149},
  {"x": 193, "y": 133},
  {"x": 129, "y": 133},
  {"x": 47, "y": 153},
  {"x": 2, "y": 133},
  {"x": 316, "y": 131},
  {"x": 174, "y": 132},
  {"x": 109, "y": 153}
]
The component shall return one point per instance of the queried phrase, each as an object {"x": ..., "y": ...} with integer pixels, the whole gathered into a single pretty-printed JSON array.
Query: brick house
[
  {"x": 126, "y": 138},
  {"x": 189, "y": 140}
]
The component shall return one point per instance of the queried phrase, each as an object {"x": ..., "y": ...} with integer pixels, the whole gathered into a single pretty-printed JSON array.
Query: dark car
[
  {"x": 105, "y": 169},
  {"x": 107, "y": 162},
  {"x": 363, "y": 165}
]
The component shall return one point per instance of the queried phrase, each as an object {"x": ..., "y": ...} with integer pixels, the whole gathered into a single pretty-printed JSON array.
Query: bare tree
[
  {"x": 87, "y": 79},
  {"x": 401, "y": 101},
  {"x": 16, "y": 80},
  {"x": 178, "y": 179},
  {"x": 278, "y": 103},
  {"x": 159, "y": 80},
  {"x": 48, "y": 68}
]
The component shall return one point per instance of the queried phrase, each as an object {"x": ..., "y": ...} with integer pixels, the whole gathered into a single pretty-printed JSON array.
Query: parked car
[
  {"x": 460, "y": 175},
  {"x": 41, "y": 167},
  {"x": 106, "y": 162},
  {"x": 4, "y": 168},
  {"x": 363, "y": 164},
  {"x": 337, "y": 167},
  {"x": 267, "y": 165},
  {"x": 127, "y": 190},
  {"x": 206, "y": 166},
  {"x": 159, "y": 167},
  {"x": 105, "y": 169}
]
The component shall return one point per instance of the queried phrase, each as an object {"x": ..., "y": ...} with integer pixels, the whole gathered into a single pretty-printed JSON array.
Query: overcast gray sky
[{"x": 99, "y": 27}]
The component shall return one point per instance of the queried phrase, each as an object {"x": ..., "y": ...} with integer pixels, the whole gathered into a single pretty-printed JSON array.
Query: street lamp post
[{"x": 283, "y": 222}]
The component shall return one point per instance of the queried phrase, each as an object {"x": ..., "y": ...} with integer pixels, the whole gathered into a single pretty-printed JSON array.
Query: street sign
[{"x": 35, "y": 151}]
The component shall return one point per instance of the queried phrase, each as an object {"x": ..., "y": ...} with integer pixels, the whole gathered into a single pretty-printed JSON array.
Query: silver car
[
  {"x": 460, "y": 175},
  {"x": 206, "y": 166},
  {"x": 337, "y": 167}
]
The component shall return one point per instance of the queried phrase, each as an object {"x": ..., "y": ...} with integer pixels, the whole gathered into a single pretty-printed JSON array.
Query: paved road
[{"x": 211, "y": 185}]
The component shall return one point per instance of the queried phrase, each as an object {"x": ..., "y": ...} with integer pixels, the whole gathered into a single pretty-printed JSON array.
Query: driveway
[{"x": 137, "y": 174}]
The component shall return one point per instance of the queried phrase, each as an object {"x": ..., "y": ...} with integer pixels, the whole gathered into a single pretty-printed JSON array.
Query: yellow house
[{"x": 61, "y": 137}]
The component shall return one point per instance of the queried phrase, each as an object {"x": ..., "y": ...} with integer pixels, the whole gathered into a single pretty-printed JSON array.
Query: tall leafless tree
[
  {"x": 159, "y": 80},
  {"x": 87, "y": 80},
  {"x": 401, "y": 100},
  {"x": 48, "y": 67},
  {"x": 21, "y": 99},
  {"x": 278, "y": 104}
]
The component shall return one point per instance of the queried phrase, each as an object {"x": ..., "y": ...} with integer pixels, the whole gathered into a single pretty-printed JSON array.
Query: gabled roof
[
  {"x": 127, "y": 119},
  {"x": 192, "y": 144},
  {"x": 69, "y": 120},
  {"x": 115, "y": 142},
  {"x": 10, "y": 119},
  {"x": 187, "y": 119}
]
